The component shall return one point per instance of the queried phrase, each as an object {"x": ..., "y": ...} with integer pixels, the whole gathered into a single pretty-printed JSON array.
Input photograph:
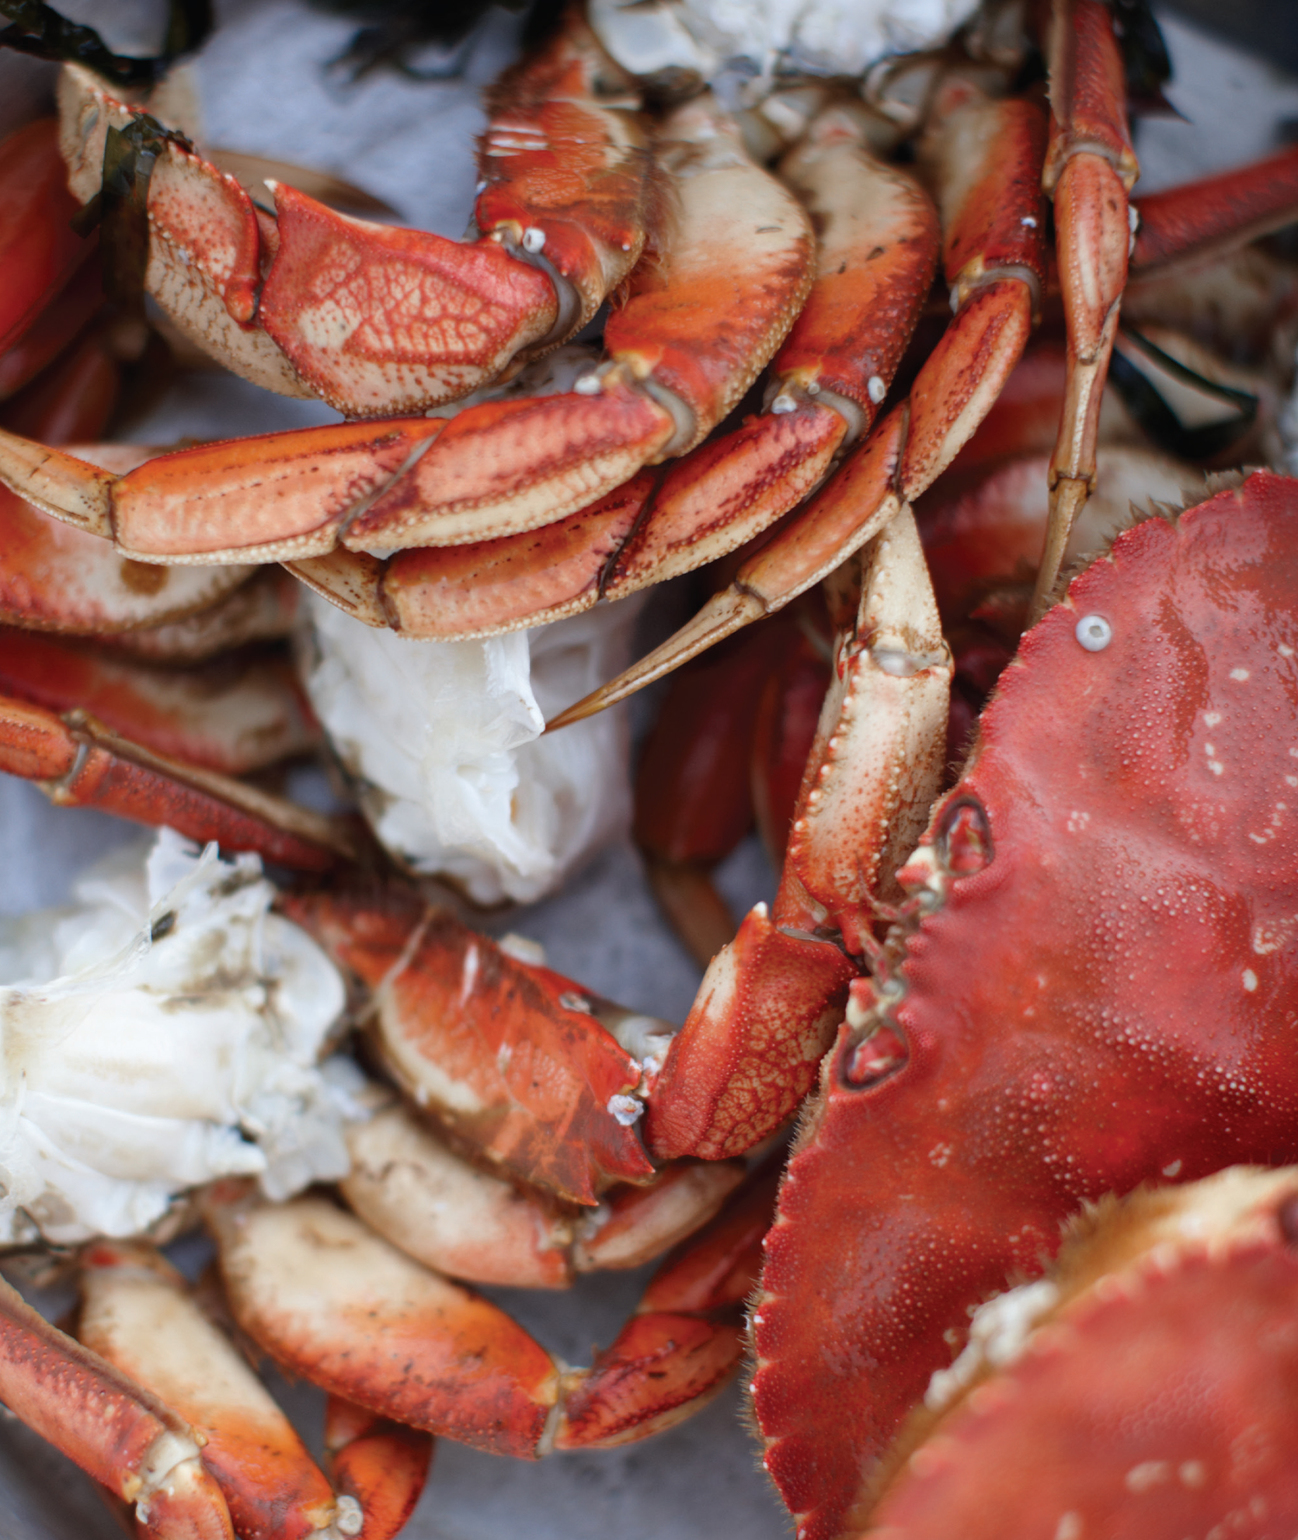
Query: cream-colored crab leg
[
  {"x": 772, "y": 998},
  {"x": 984, "y": 156},
  {"x": 379, "y": 320},
  {"x": 115, "y": 1430},
  {"x": 137, "y": 1313},
  {"x": 331, "y": 1301},
  {"x": 406, "y": 1183},
  {"x": 1090, "y": 168}
]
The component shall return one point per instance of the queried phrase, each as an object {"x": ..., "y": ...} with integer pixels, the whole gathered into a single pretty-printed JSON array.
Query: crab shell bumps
[{"x": 162, "y": 1030}]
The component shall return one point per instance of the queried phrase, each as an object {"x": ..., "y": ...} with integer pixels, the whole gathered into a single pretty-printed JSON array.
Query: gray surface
[{"x": 411, "y": 144}]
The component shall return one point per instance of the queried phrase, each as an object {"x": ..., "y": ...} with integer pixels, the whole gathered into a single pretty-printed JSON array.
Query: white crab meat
[
  {"x": 160, "y": 1031},
  {"x": 757, "y": 38},
  {"x": 444, "y": 742}
]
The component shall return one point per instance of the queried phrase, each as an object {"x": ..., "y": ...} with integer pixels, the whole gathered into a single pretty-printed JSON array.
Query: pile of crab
[{"x": 1031, "y": 1001}]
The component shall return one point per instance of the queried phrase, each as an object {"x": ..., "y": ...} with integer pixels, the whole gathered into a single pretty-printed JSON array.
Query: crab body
[{"x": 1098, "y": 985}]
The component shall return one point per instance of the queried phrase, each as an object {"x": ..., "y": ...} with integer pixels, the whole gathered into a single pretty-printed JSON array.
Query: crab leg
[
  {"x": 53, "y": 329},
  {"x": 1199, "y": 220},
  {"x": 458, "y": 1219},
  {"x": 333, "y": 1302},
  {"x": 381, "y": 1464},
  {"x": 115, "y": 1430},
  {"x": 1035, "y": 1038},
  {"x": 769, "y": 1002},
  {"x": 80, "y": 763},
  {"x": 381, "y": 321},
  {"x": 234, "y": 718},
  {"x": 38, "y": 250},
  {"x": 685, "y": 1340},
  {"x": 54, "y": 577},
  {"x": 985, "y": 154},
  {"x": 137, "y": 1314},
  {"x": 1090, "y": 168},
  {"x": 876, "y": 245},
  {"x": 698, "y": 327},
  {"x": 693, "y": 799}
]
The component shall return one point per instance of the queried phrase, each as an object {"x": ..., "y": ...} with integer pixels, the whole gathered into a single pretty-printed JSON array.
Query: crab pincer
[
  {"x": 138, "y": 1314},
  {"x": 379, "y": 320},
  {"x": 1035, "y": 1037},
  {"x": 332, "y": 1301},
  {"x": 118, "y": 1432}
]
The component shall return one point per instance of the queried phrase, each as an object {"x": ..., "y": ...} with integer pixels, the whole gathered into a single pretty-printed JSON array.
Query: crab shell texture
[{"x": 1099, "y": 986}]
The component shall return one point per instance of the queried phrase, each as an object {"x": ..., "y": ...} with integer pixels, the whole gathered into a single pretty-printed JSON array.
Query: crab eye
[
  {"x": 964, "y": 839},
  {"x": 1094, "y": 632}
]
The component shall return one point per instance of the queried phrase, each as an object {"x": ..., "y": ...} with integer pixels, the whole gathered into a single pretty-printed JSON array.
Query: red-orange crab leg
[
  {"x": 52, "y": 331},
  {"x": 80, "y": 763},
  {"x": 876, "y": 245},
  {"x": 700, "y": 323},
  {"x": 685, "y": 1339},
  {"x": 730, "y": 272},
  {"x": 38, "y": 249},
  {"x": 1037, "y": 1036},
  {"x": 115, "y": 1430},
  {"x": 986, "y": 157},
  {"x": 693, "y": 802},
  {"x": 511, "y": 1056},
  {"x": 277, "y": 496},
  {"x": 1114, "y": 1397},
  {"x": 333, "y": 1302},
  {"x": 234, "y": 717},
  {"x": 380, "y": 320},
  {"x": 1198, "y": 220},
  {"x": 1090, "y": 168},
  {"x": 54, "y": 577},
  {"x": 380, "y": 1463},
  {"x": 136, "y": 1313},
  {"x": 769, "y": 1001}
]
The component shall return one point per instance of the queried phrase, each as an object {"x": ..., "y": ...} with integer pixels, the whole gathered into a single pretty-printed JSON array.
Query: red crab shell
[{"x": 1103, "y": 988}]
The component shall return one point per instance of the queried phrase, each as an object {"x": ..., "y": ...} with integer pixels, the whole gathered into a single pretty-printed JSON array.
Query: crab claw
[
  {"x": 115, "y": 1430},
  {"x": 137, "y": 1313},
  {"x": 382, "y": 1465},
  {"x": 513, "y": 1057}
]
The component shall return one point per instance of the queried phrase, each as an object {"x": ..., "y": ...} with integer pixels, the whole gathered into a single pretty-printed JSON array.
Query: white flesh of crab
[
  {"x": 755, "y": 37},
  {"x": 160, "y": 1031},
  {"x": 445, "y": 741}
]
